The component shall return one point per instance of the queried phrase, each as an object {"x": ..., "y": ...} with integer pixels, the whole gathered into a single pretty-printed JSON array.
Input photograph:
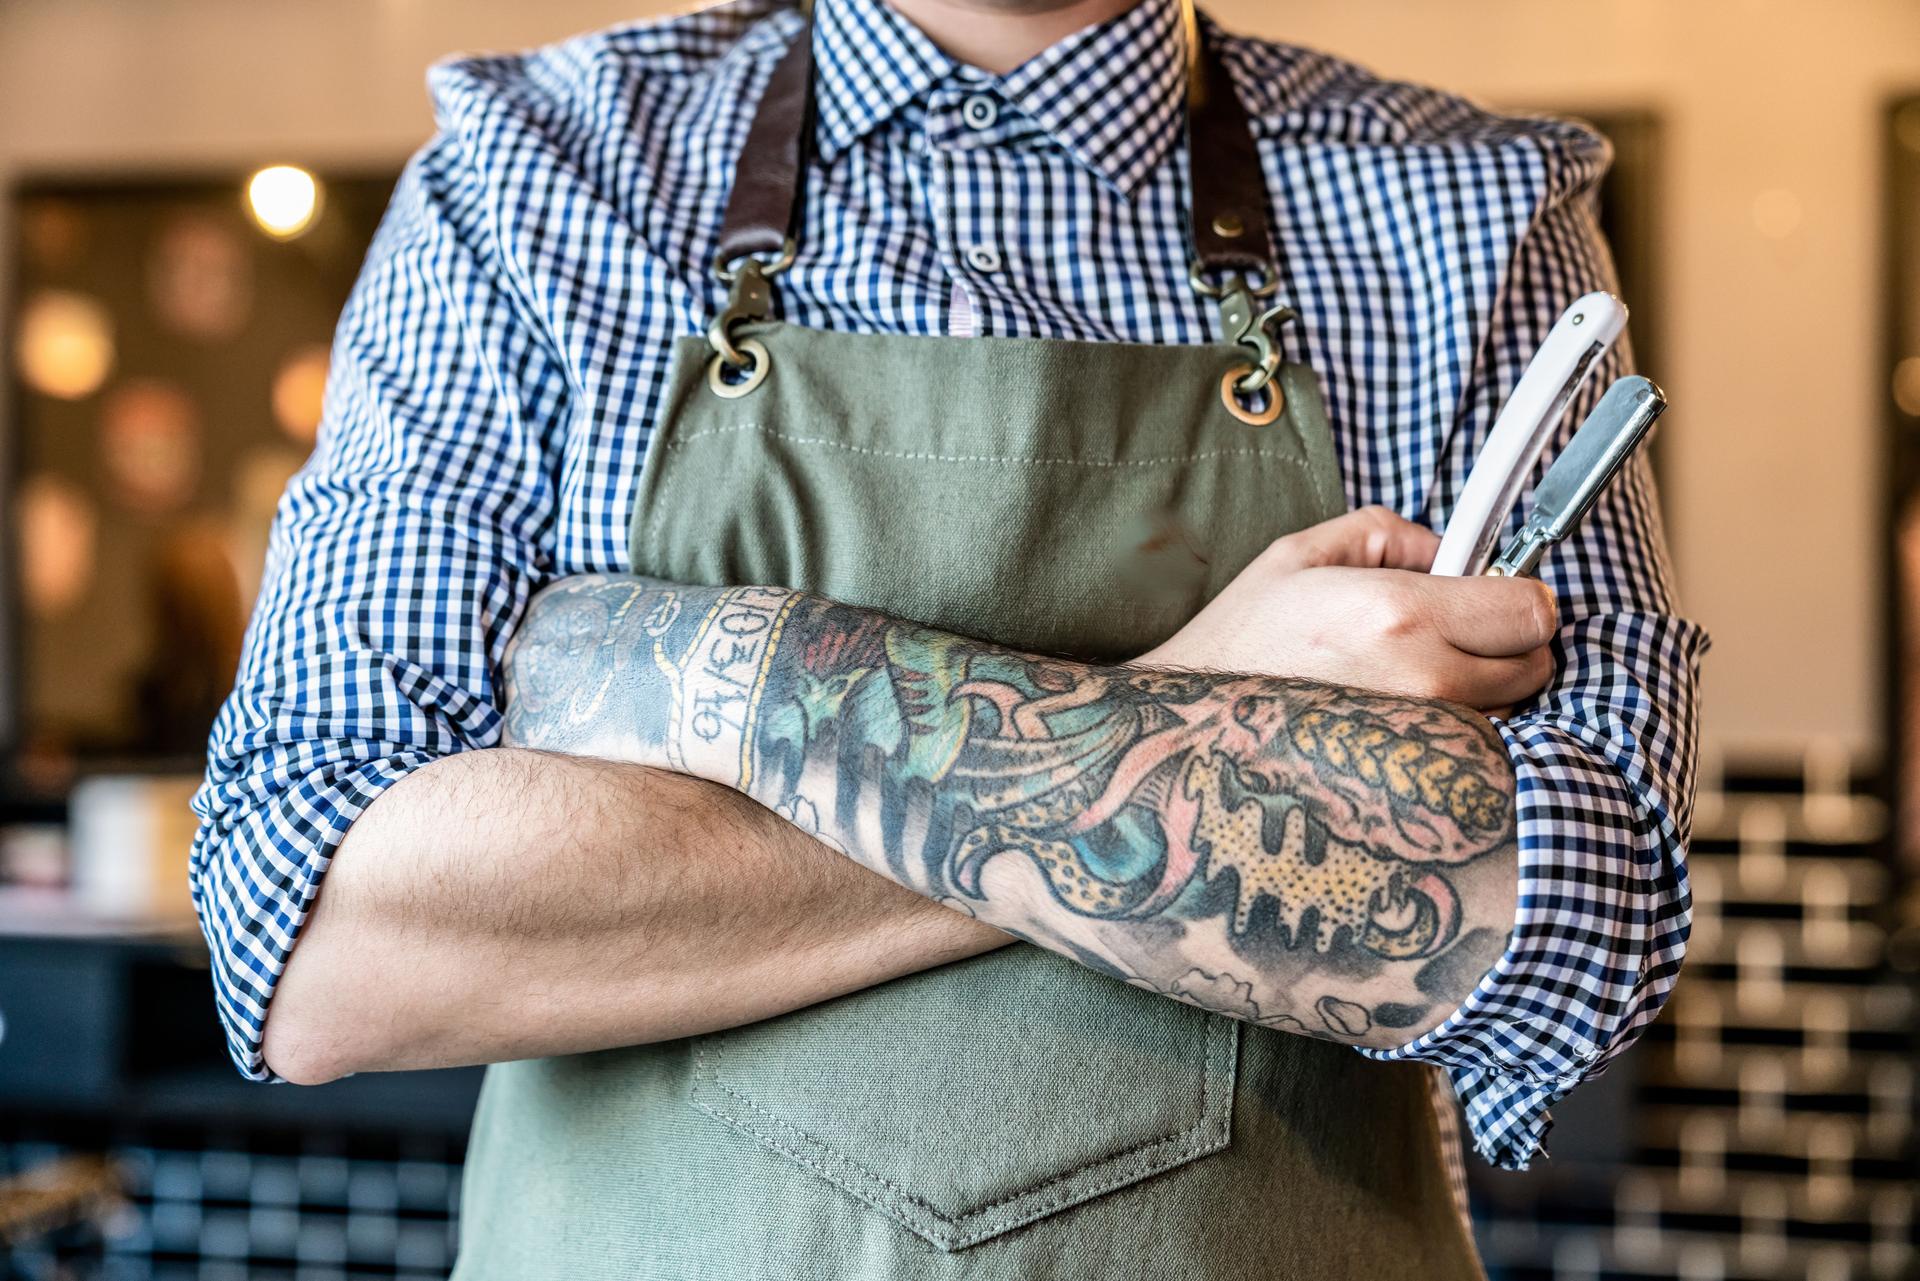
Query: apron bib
[{"x": 1015, "y": 1115}]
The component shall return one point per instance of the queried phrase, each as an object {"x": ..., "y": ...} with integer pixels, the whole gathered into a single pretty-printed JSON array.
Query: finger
[
  {"x": 1370, "y": 538},
  {"x": 1491, "y": 617},
  {"x": 1490, "y": 684}
]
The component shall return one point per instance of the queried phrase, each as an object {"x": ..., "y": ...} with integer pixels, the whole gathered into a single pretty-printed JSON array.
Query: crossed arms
[
  {"x": 1316, "y": 859},
  {"x": 1281, "y": 849}
]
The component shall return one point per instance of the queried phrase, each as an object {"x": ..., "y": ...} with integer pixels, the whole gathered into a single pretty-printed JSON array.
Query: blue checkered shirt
[{"x": 500, "y": 368}]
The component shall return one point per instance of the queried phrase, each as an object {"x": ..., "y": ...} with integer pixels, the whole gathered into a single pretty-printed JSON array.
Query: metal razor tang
[{"x": 1583, "y": 470}]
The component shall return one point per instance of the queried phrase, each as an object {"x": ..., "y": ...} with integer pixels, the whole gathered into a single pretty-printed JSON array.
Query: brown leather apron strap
[
  {"x": 1229, "y": 210},
  {"x": 1229, "y": 215},
  {"x": 763, "y": 209}
]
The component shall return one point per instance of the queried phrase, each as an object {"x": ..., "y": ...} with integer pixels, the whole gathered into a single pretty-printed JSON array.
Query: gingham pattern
[{"x": 500, "y": 367}]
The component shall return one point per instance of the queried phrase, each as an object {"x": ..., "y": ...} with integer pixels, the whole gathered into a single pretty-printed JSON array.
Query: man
[{"x": 793, "y": 351}]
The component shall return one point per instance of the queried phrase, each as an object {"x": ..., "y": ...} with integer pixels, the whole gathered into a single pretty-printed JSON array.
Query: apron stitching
[
  {"x": 986, "y": 458},
  {"x": 1194, "y": 1138},
  {"x": 1300, "y": 381}
]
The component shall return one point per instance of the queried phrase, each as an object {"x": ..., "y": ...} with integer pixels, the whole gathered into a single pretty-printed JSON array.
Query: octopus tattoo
[
  {"x": 1284, "y": 851},
  {"x": 1336, "y": 818},
  {"x": 1180, "y": 758}
]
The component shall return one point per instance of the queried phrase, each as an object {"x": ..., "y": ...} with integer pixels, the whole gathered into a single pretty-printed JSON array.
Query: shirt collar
[
  {"x": 868, "y": 63},
  {"x": 1113, "y": 94}
]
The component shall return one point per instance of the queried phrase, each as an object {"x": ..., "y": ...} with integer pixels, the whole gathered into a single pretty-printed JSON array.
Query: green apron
[{"x": 1015, "y": 1115}]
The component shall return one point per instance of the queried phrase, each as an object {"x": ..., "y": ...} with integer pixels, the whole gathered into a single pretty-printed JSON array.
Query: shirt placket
[{"x": 969, "y": 122}]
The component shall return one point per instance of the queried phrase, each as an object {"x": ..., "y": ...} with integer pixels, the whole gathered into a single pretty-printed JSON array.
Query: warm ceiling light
[
  {"x": 65, "y": 344},
  {"x": 284, "y": 200}
]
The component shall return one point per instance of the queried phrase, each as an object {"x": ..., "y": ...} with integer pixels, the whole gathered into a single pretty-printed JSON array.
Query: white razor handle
[{"x": 1572, "y": 351}]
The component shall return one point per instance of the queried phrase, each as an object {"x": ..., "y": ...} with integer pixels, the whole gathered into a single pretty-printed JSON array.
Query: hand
[{"x": 1349, "y": 602}]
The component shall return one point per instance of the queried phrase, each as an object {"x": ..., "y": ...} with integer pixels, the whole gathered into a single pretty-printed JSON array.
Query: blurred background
[{"x": 186, "y": 190}]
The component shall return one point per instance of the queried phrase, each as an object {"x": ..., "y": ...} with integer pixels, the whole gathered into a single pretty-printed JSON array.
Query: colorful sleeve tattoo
[{"x": 1322, "y": 860}]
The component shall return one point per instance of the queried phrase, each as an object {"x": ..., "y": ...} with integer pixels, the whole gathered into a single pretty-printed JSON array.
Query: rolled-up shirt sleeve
[
  {"x": 1603, "y": 759},
  {"x": 401, "y": 556}
]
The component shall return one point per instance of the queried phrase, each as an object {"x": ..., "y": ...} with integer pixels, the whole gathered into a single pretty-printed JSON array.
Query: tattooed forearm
[{"x": 1323, "y": 860}]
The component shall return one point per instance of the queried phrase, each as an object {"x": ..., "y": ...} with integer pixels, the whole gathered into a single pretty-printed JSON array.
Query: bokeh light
[
  {"x": 150, "y": 443},
  {"x": 52, "y": 234},
  {"x": 1906, "y": 385},
  {"x": 200, "y": 278},
  {"x": 58, "y": 539},
  {"x": 284, "y": 200},
  {"x": 299, "y": 387},
  {"x": 65, "y": 346}
]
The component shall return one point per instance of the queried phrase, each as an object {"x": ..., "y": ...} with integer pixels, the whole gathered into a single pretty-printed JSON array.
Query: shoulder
[
  {"x": 1307, "y": 97},
  {"x": 603, "y": 138},
  {"x": 577, "y": 94},
  {"x": 637, "y": 55}
]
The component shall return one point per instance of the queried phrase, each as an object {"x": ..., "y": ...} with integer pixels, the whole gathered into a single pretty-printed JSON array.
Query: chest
[{"x": 1394, "y": 256}]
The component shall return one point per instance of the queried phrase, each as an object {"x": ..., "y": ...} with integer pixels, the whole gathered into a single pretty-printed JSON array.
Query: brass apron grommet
[
  {"x": 1228, "y": 397},
  {"x": 756, "y": 374}
]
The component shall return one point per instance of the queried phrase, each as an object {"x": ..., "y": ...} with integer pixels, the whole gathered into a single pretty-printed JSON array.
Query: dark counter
[{"x": 124, "y": 1027}]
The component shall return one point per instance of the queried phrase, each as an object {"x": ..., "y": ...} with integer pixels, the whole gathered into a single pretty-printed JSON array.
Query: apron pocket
[{"x": 976, "y": 1098}]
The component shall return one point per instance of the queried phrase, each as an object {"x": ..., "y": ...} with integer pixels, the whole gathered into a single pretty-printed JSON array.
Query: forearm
[
  {"x": 509, "y": 904},
  {"x": 1327, "y": 861}
]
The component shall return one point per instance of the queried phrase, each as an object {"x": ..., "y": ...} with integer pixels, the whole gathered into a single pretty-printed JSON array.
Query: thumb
[{"x": 1492, "y": 617}]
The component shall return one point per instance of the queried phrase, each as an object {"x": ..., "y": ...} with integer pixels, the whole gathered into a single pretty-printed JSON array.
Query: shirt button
[
  {"x": 981, "y": 258},
  {"x": 980, "y": 111}
]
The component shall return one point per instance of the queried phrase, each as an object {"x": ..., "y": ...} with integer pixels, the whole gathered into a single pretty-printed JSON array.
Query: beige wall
[{"x": 1769, "y": 103}]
